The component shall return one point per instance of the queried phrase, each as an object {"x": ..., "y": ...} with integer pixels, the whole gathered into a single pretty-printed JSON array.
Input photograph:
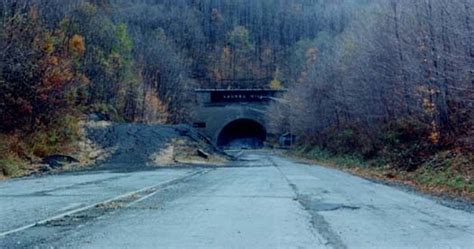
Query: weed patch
[
  {"x": 21, "y": 151},
  {"x": 446, "y": 173},
  {"x": 12, "y": 166},
  {"x": 327, "y": 157}
]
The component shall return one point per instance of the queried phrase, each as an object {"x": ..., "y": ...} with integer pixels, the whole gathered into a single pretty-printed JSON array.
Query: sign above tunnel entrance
[{"x": 217, "y": 96}]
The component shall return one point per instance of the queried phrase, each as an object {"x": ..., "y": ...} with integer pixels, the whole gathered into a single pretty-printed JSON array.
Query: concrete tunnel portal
[
  {"x": 234, "y": 118},
  {"x": 242, "y": 133}
]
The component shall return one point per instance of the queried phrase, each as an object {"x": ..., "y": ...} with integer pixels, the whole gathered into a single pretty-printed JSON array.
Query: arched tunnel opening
[{"x": 242, "y": 134}]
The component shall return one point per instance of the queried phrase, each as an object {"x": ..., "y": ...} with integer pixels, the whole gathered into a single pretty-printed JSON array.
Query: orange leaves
[
  {"x": 428, "y": 94},
  {"x": 45, "y": 71},
  {"x": 84, "y": 80},
  {"x": 57, "y": 66},
  {"x": 155, "y": 109},
  {"x": 43, "y": 42},
  {"x": 429, "y": 106},
  {"x": 311, "y": 55},
  {"x": 33, "y": 13},
  {"x": 77, "y": 45},
  {"x": 226, "y": 55},
  {"x": 48, "y": 47},
  {"x": 275, "y": 84},
  {"x": 435, "y": 135},
  {"x": 57, "y": 72}
]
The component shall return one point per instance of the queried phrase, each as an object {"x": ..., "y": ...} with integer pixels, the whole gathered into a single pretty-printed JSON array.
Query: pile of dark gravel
[{"x": 133, "y": 144}]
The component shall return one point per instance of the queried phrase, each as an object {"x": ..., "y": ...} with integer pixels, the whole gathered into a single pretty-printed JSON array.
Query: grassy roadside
[
  {"x": 448, "y": 173},
  {"x": 21, "y": 153}
]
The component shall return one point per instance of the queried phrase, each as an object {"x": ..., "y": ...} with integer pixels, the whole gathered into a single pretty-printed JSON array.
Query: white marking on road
[{"x": 123, "y": 196}]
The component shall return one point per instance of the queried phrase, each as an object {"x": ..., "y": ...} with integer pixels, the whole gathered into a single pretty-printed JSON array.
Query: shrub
[
  {"x": 51, "y": 140},
  {"x": 351, "y": 141},
  {"x": 407, "y": 144},
  {"x": 448, "y": 169},
  {"x": 11, "y": 166},
  {"x": 326, "y": 156},
  {"x": 16, "y": 149},
  {"x": 10, "y": 163}
]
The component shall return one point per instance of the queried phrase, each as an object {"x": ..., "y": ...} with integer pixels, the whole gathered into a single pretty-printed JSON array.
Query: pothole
[{"x": 321, "y": 207}]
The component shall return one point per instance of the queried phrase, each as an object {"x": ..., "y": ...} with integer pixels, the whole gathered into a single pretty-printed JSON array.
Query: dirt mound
[
  {"x": 185, "y": 152},
  {"x": 139, "y": 145}
]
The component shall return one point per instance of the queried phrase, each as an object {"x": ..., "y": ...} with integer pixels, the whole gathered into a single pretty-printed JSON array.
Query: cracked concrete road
[{"x": 261, "y": 201}]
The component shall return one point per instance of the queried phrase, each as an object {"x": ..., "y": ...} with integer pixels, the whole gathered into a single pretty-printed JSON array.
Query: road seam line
[{"x": 123, "y": 196}]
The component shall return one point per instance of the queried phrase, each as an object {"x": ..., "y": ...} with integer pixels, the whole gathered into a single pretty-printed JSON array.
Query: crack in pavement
[
  {"x": 69, "y": 187},
  {"x": 104, "y": 208},
  {"x": 96, "y": 210},
  {"x": 317, "y": 220},
  {"x": 319, "y": 206}
]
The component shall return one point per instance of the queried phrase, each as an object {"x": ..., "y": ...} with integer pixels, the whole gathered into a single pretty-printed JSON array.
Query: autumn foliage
[
  {"x": 375, "y": 79},
  {"x": 395, "y": 85},
  {"x": 37, "y": 71}
]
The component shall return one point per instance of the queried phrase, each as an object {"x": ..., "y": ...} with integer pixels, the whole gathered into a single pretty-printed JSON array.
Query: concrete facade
[{"x": 219, "y": 108}]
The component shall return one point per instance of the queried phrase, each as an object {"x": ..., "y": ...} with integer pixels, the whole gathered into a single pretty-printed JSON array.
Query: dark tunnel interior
[{"x": 242, "y": 134}]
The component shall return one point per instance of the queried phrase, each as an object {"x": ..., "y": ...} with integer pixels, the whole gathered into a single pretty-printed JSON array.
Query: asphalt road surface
[{"x": 260, "y": 201}]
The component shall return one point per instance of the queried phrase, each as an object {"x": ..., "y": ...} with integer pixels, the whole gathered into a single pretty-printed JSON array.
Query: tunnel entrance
[{"x": 242, "y": 134}]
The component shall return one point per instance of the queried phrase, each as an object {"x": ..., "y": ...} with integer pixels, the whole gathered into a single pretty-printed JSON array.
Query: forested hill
[
  {"x": 373, "y": 78},
  {"x": 129, "y": 51}
]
